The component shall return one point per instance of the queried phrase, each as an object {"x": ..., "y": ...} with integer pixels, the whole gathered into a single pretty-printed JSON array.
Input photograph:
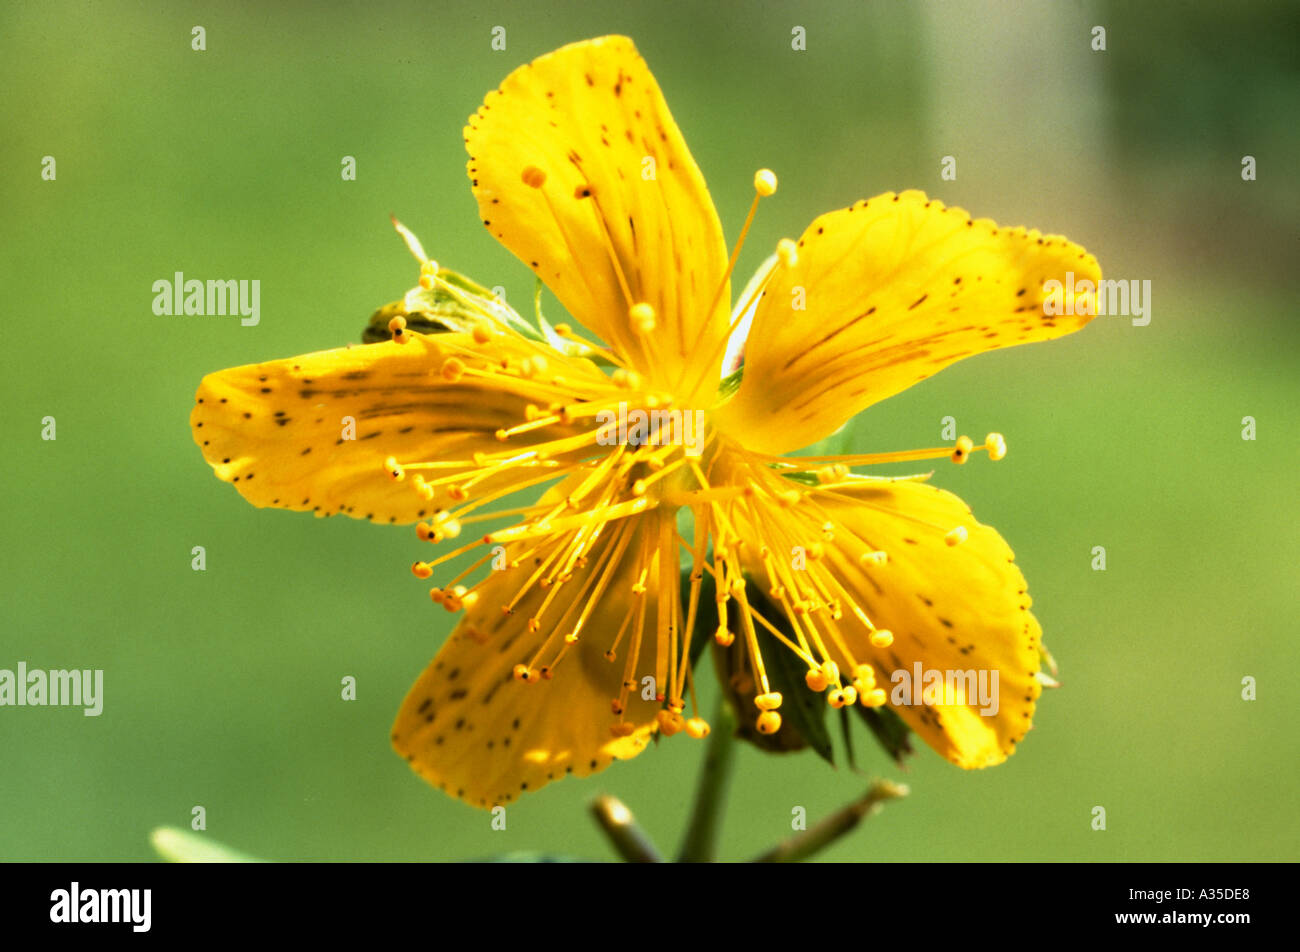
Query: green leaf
[{"x": 181, "y": 846}]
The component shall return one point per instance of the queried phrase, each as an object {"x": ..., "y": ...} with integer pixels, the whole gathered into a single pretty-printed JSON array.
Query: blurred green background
[{"x": 222, "y": 687}]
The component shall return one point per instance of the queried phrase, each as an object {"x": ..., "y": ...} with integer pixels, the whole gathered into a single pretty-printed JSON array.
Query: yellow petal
[
  {"x": 311, "y": 433},
  {"x": 590, "y": 118},
  {"x": 883, "y": 295},
  {"x": 470, "y": 728},
  {"x": 951, "y": 608}
]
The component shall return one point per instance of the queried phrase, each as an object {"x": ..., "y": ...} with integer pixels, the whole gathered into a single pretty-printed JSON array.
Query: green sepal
[
  {"x": 890, "y": 731},
  {"x": 456, "y": 303},
  {"x": 803, "y": 713},
  {"x": 377, "y": 330}
]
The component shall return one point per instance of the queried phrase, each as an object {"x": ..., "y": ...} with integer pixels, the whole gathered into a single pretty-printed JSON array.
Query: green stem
[
  {"x": 840, "y": 822},
  {"x": 629, "y": 840},
  {"x": 701, "y": 842}
]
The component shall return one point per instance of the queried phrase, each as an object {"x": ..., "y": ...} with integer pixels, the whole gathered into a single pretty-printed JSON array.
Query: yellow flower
[{"x": 575, "y": 642}]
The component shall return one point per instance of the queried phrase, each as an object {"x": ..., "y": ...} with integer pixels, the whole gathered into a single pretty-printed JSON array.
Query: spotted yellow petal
[
  {"x": 580, "y": 170},
  {"x": 474, "y": 730},
  {"x": 882, "y": 295},
  {"x": 312, "y": 433},
  {"x": 950, "y": 608}
]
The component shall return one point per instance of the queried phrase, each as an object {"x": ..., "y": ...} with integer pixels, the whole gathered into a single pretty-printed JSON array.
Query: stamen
[
  {"x": 788, "y": 252},
  {"x": 642, "y": 316},
  {"x": 764, "y": 186},
  {"x": 961, "y": 451}
]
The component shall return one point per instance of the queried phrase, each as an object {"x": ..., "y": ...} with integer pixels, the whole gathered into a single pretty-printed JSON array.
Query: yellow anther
[
  {"x": 422, "y": 487},
  {"x": 642, "y": 317},
  {"x": 832, "y": 473},
  {"x": 864, "y": 674},
  {"x": 563, "y": 330},
  {"x": 616, "y": 707},
  {"x": 878, "y": 557},
  {"x": 865, "y": 683},
  {"x": 768, "y": 702},
  {"x": 397, "y": 327},
  {"x": 533, "y": 177},
  {"x": 571, "y": 638},
  {"x": 765, "y": 182},
  {"x": 956, "y": 536},
  {"x": 428, "y": 274},
  {"x": 424, "y": 531},
  {"x": 815, "y": 551},
  {"x": 961, "y": 452},
  {"x": 639, "y": 488},
  {"x": 422, "y": 570},
  {"x": 522, "y": 672},
  {"x": 627, "y": 379},
  {"x": 850, "y": 696},
  {"x": 437, "y": 596},
  {"x": 697, "y": 727},
  {"x": 395, "y": 471},
  {"x": 836, "y": 698},
  {"x": 453, "y": 368},
  {"x": 875, "y": 699},
  {"x": 831, "y": 671},
  {"x": 882, "y": 638},
  {"x": 769, "y": 722},
  {"x": 533, "y": 366},
  {"x": 815, "y": 680},
  {"x": 788, "y": 252},
  {"x": 454, "y": 600},
  {"x": 623, "y": 729},
  {"x": 670, "y": 723},
  {"x": 723, "y": 637},
  {"x": 481, "y": 333},
  {"x": 996, "y": 445}
]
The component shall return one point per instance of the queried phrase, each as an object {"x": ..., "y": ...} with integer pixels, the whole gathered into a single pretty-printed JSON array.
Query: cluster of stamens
[{"x": 595, "y": 542}]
